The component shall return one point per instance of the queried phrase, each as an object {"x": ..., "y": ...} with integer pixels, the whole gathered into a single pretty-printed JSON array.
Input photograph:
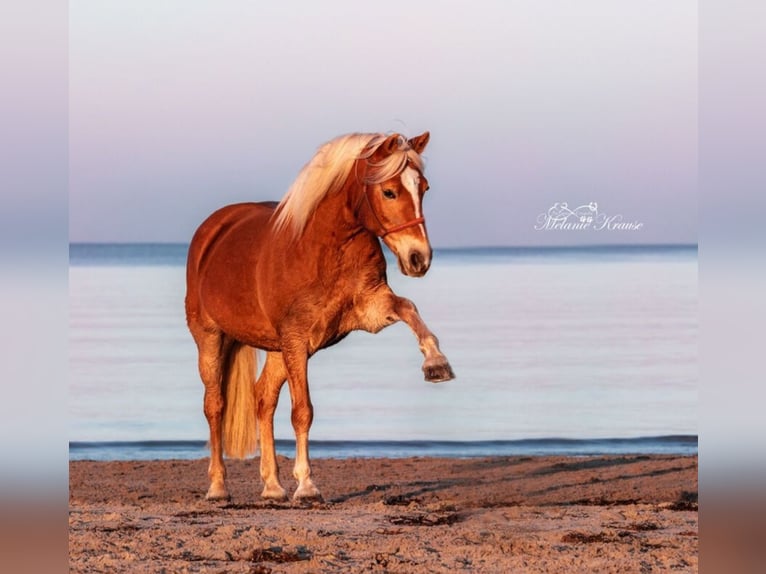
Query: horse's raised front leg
[
  {"x": 267, "y": 395},
  {"x": 385, "y": 308},
  {"x": 436, "y": 367},
  {"x": 212, "y": 351},
  {"x": 296, "y": 361}
]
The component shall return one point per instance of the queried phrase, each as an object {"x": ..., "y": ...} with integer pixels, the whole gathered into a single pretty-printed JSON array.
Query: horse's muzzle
[{"x": 417, "y": 263}]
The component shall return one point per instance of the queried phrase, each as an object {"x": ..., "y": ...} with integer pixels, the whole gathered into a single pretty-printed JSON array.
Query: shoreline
[
  {"x": 681, "y": 445},
  {"x": 612, "y": 513}
]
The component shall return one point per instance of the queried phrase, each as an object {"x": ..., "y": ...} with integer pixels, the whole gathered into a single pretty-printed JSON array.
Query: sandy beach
[{"x": 502, "y": 514}]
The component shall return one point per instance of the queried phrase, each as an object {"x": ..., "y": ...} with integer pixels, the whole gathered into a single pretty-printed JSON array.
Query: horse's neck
[
  {"x": 335, "y": 229},
  {"x": 335, "y": 222}
]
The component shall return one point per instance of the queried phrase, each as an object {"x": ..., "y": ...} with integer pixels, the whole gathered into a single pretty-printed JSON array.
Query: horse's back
[
  {"x": 224, "y": 222},
  {"x": 222, "y": 255}
]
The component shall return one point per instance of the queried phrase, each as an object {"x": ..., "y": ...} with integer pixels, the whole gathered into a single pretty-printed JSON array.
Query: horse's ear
[
  {"x": 419, "y": 143},
  {"x": 391, "y": 143}
]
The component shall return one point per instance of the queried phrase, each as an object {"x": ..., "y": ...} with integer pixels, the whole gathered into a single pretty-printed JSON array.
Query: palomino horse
[{"x": 295, "y": 277}]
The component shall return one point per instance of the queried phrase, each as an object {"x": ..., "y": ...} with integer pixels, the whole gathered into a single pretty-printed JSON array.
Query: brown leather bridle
[{"x": 395, "y": 228}]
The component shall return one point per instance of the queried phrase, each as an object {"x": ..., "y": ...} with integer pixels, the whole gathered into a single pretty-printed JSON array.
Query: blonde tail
[{"x": 240, "y": 425}]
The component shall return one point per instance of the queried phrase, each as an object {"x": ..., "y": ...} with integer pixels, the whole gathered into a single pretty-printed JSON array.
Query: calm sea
[{"x": 571, "y": 351}]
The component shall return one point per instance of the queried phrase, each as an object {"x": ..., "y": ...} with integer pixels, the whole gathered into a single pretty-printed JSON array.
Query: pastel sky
[{"x": 178, "y": 107}]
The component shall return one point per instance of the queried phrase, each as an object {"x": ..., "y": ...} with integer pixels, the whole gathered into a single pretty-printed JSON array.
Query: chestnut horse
[{"x": 295, "y": 277}]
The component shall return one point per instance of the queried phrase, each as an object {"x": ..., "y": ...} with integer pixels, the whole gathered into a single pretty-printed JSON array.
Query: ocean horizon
[
  {"x": 195, "y": 449},
  {"x": 173, "y": 253}
]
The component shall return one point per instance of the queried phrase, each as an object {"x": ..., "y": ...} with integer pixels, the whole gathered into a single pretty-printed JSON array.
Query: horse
[{"x": 294, "y": 277}]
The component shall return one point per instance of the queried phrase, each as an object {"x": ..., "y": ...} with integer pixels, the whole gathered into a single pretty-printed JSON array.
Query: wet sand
[{"x": 501, "y": 514}]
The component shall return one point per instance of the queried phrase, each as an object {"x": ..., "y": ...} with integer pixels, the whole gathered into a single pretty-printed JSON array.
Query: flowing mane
[{"x": 328, "y": 170}]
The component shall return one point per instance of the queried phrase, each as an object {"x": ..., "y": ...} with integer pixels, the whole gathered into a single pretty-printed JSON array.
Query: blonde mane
[{"x": 330, "y": 167}]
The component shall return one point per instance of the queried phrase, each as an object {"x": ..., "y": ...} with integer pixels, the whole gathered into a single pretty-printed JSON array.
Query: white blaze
[
  {"x": 411, "y": 182},
  {"x": 402, "y": 244}
]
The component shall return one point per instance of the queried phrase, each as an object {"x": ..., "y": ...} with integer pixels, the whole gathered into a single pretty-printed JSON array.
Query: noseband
[
  {"x": 395, "y": 228},
  {"x": 389, "y": 230}
]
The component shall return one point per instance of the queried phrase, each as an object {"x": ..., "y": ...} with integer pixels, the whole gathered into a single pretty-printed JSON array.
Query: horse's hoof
[
  {"x": 438, "y": 371},
  {"x": 276, "y": 493},
  {"x": 307, "y": 492},
  {"x": 217, "y": 493}
]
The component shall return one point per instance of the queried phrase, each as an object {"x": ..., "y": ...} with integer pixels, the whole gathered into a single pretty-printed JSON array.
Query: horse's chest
[
  {"x": 339, "y": 298},
  {"x": 331, "y": 325}
]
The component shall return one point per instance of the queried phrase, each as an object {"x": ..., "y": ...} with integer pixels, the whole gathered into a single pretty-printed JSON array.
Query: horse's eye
[{"x": 389, "y": 194}]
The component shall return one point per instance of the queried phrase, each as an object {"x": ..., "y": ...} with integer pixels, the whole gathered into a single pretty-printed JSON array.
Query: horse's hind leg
[
  {"x": 267, "y": 395},
  {"x": 212, "y": 349}
]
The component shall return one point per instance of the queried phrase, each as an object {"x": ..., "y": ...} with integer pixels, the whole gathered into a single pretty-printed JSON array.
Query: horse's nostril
[{"x": 416, "y": 260}]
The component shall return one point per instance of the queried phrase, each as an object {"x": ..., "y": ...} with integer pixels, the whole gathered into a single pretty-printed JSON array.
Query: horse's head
[{"x": 394, "y": 191}]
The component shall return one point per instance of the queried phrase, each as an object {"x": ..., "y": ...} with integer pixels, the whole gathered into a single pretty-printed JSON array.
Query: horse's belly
[{"x": 252, "y": 330}]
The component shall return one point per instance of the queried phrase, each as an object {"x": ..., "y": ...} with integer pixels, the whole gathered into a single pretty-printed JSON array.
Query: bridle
[{"x": 387, "y": 230}]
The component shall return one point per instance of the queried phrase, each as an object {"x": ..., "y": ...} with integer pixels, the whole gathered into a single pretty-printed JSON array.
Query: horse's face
[{"x": 398, "y": 205}]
